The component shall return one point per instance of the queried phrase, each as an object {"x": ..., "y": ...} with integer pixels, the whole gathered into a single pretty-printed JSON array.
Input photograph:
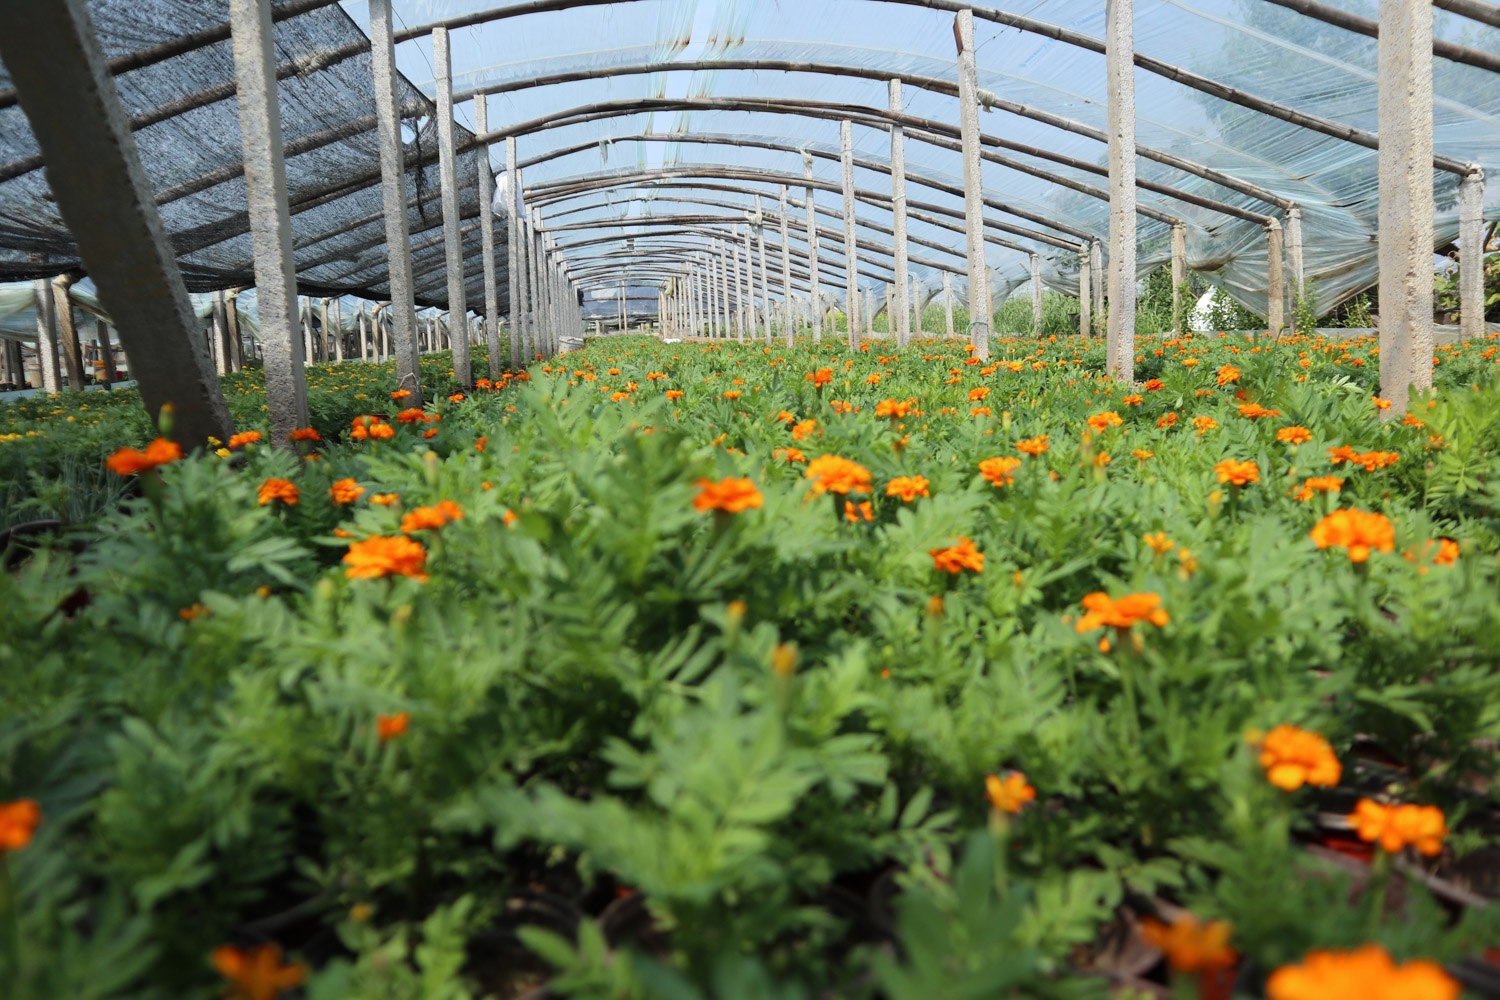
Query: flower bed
[{"x": 720, "y": 670}]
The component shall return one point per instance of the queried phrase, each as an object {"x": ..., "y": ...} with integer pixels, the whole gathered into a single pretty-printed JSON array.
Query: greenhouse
[{"x": 750, "y": 499}]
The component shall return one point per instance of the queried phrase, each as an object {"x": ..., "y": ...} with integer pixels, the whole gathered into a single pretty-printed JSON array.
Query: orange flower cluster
[
  {"x": 345, "y": 491},
  {"x": 999, "y": 471},
  {"x": 790, "y": 454},
  {"x": 1371, "y": 460},
  {"x": 730, "y": 495},
  {"x": 1191, "y": 946},
  {"x": 1365, "y": 973},
  {"x": 1237, "y": 473},
  {"x": 129, "y": 461},
  {"x": 1318, "y": 484},
  {"x": 1034, "y": 446},
  {"x": 370, "y": 427},
  {"x": 380, "y": 556},
  {"x": 673, "y": 394},
  {"x": 908, "y": 488},
  {"x": 305, "y": 434},
  {"x": 1009, "y": 794},
  {"x": 431, "y": 518},
  {"x": 279, "y": 489},
  {"x": 244, "y": 438},
  {"x": 832, "y": 474},
  {"x": 957, "y": 558},
  {"x": 1104, "y": 421},
  {"x": 897, "y": 409},
  {"x": 1294, "y": 757},
  {"x": 803, "y": 429},
  {"x": 18, "y": 823},
  {"x": 1295, "y": 434},
  {"x": 1228, "y": 374},
  {"x": 257, "y": 974},
  {"x": 1123, "y": 613},
  {"x": 389, "y": 727},
  {"x": 820, "y": 378},
  {"x": 1203, "y": 424},
  {"x": 1255, "y": 411},
  {"x": 855, "y": 513},
  {"x": 1361, "y": 532},
  {"x": 1400, "y": 826}
]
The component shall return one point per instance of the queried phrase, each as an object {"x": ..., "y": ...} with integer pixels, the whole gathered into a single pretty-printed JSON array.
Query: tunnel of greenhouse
[{"x": 750, "y": 499}]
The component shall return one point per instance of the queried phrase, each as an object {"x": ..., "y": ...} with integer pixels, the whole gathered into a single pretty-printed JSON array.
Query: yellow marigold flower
[
  {"x": 957, "y": 557},
  {"x": 1191, "y": 946},
  {"x": 908, "y": 488},
  {"x": 1009, "y": 794},
  {"x": 279, "y": 489},
  {"x": 1361, "y": 532},
  {"x": 1365, "y": 973},
  {"x": 1294, "y": 757},
  {"x": 1237, "y": 473},
  {"x": 999, "y": 471},
  {"x": 379, "y": 556},
  {"x": 832, "y": 474},
  {"x": 1397, "y": 827},
  {"x": 730, "y": 495}
]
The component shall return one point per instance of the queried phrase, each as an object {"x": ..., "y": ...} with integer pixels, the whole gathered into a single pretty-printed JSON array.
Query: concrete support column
[
  {"x": 487, "y": 242},
  {"x": 1471, "y": 255},
  {"x": 46, "y": 336},
  {"x": 968, "y": 109},
  {"x": 338, "y": 330},
  {"x": 458, "y": 306},
  {"x": 219, "y": 342},
  {"x": 537, "y": 257},
  {"x": 1275, "y": 279},
  {"x": 232, "y": 315},
  {"x": 364, "y": 334},
  {"x": 765, "y": 277},
  {"x": 307, "y": 337},
  {"x": 393, "y": 190},
  {"x": 67, "y": 329},
  {"x": 1036, "y": 295},
  {"x": 1404, "y": 108},
  {"x": 948, "y": 303},
  {"x": 1119, "y": 81},
  {"x": 1085, "y": 295},
  {"x": 900, "y": 320},
  {"x": 1179, "y": 276},
  {"x": 851, "y": 239},
  {"x": 786, "y": 276},
  {"x": 513, "y": 281},
  {"x": 1294, "y": 253},
  {"x": 106, "y": 351},
  {"x": 740, "y": 300},
  {"x": 324, "y": 346},
  {"x": 812, "y": 253}
]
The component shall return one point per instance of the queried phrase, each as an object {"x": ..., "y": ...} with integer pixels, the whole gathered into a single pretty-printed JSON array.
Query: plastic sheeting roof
[{"x": 1256, "y": 46}]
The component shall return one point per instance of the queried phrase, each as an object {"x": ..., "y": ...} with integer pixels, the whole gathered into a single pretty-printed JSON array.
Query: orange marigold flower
[
  {"x": 1228, "y": 374},
  {"x": 1190, "y": 363},
  {"x": 999, "y": 471},
  {"x": 18, "y": 823},
  {"x": 731, "y": 394},
  {"x": 864, "y": 511},
  {"x": 1255, "y": 411},
  {"x": 1034, "y": 446},
  {"x": 457, "y": 397},
  {"x": 305, "y": 434},
  {"x": 345, "y": 491},
  {"x": 422, "y": 518},
  {"x": 388, "y": 727},
  {"x": 832, "y": 474},
  {"x": 653, "y": 376},
  {"x": 673, "y": 393},
  {"x": 400, "y": 394},
  {"x": 411, "y": 415},
  {"x": 1295, "y": 434},
  {"x": 1153, "y": 385},
  {"x": 1104, "y": 610},
  {"x": 820, "y": 378},
  {"x": 1447, "y": 553},
  {"x": 1359, "y": 531},
  {"x": 1166, "y": 420},
  {"x": 790, "y": 454},
  {"x": 1380, "y": 404},
  {"x": 1204, "y": 424},
  {"x": 1133, "y": 400},
  {"x": 382, "y": 431},
  {"x": 908, "y": 488},
  {"x": 980, "y": 411},
  {"x": 1341, "y": 454},
  {"x": 380, "y": 555},
  {"x": 1397, "y": 827},
  {"x": 244, "y": 438},
  {"x": 1101, "y": 459},
  {"x": 129, "y": 461},
  {"x": 892, "y": 408},
  {"x": 257, "y": 974},
  {"x": 730, "y": 495},
  {"x": 1294, "y": 757},
  {"x": 510, "y": 517},
  {"x": 1237, "y": 473},
  {"x": 977, "y": 393},
  {"x": 872, "y": 379},
  {"x": 1318, "y": 484},
  {"x": 1143, "y": 454},
  {"x": 1375, "y": 460},
  {"x": 1191, "y": 946},
  {"x": 803, "y": 429},
  {"x": 279, "y": 489},
  {"x": 1009, "y": 794},
  {"x": 385, "y": 499},
  {"x": 784, "y": 417},
  {"x": 1365, "y": 973},
  {"x": 958, "y": 557},
  {"x": 1104, "y": 421},
  {"x": 1158, "y": 542}
]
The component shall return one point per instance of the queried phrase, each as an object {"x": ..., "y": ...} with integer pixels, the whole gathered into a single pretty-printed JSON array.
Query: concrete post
[
  {"x": 324, "y": 346},
  {"x": 541, "y": 336},
  {"x": 765, "y": 277},
  {"x": 1036, "y": 295},
  {"x": 1404, "y": 115},
  {"x": 1119, "y": 56},
  {"x": 900, "y": 320},
  {"x": 219, "y": 342},
  {"x": 812, "y": 254},
  {"x": 723, "y": 263},
  {"x": 1179, "y": 277},
  {"x": 1275, "y": 279},
  {"x": 364, "y": 334},
  {"x": 851, "y": 242},
  {"x": 1085, "y": 295},
  {"x": 232, "y": 317},
  {"x": 106, "y": 351},
  {"x": 458, "y": 306},
  {"x": 487, "y": 242},
  {"x": 307, "y": 339},
  {"x": 1096, "y": 276},
  {"x": 403, "y": 314},
  {"x": 338, "y": 330},
  {"x": 1294, "y": 253},
  {"x": 513, "y": 281},
  {"x": 67, "y": 329},
  {"x": 741, "y": 319},
  {"x": 46, "y": 336},
  {"x": 790, "y": 330},
  {"x": 968, "y": 109},
  {"x": 1471, "y": 255},
  {"x": 94, "y": 171},
  {"x": 948, "y": 303}
]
